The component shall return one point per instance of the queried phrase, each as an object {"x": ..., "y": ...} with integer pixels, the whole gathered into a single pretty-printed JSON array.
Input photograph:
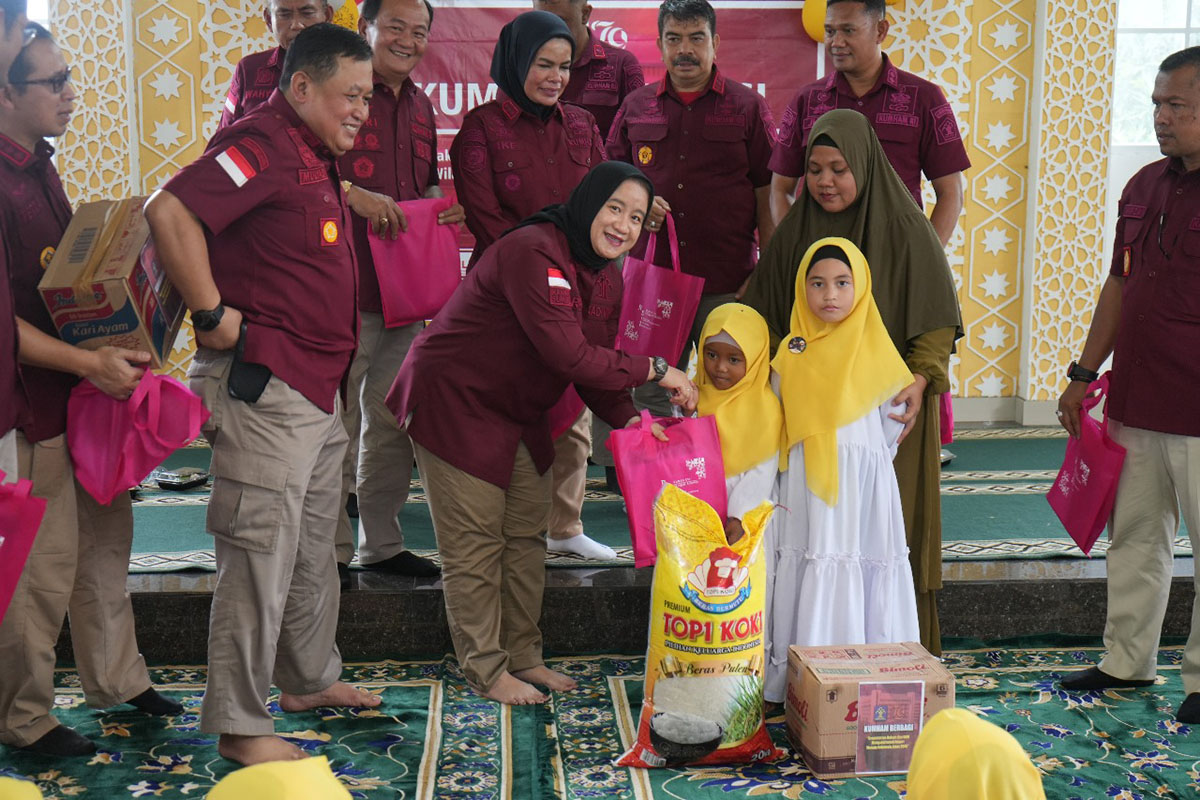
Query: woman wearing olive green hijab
[
  {"x": 851, "y": 191},
  {"x": 962, "y": 757}
]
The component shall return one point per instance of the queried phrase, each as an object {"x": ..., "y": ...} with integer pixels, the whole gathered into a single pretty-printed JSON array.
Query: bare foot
[
  {"x": 542, "y": 675},
  {"x": 514, "y": 692},
  {"x": 338, "y": 695},
  {"x": 247, "y": 750}
]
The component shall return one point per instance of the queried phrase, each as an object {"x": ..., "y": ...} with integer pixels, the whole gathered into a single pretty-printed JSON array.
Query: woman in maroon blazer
[{"x": 538, "y": 312}]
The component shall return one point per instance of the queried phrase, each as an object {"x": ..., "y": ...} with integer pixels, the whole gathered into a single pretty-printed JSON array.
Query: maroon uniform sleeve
[
  {"x": 760, "y": 143},
  {"x": 787, "y": 158},
  {"x": 434, "y": 178},
  {"x": 599, "y": 153},
  {"x": 231, "y": 110},
  {"x": 942, "y": 150},
  {"x": 233, "y": 177},
  {"x": 536, "y": 289},
  {"x": 618, "y": 146},
  {"x": 472, "y": 164}
]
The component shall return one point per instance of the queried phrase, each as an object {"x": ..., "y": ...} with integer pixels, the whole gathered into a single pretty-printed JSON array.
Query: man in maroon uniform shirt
[
  {"x": 602, "y": 76},
  {"x": 81, "y": 553},
  {"x": 910, "y": 115},
  {"x": 257, "y": 75},
  {"x": 253, "y": 234},
  {"x": 393, "y": 158},
  {"x": 1148, "y": 318},
  {"x": 698, "y": 136},
  {"x": 12, "y": 396}
]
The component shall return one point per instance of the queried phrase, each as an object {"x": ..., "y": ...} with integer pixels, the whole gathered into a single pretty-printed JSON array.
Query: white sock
[{"x": 582, "y": 545}]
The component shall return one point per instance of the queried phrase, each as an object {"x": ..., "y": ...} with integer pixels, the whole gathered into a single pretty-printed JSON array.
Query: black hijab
[
  {"x": 516, "y": 50},
  {"x": 575, "y": 217}
]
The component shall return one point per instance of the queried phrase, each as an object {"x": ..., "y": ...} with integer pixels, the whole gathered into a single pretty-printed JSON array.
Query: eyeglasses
[
  {"x": 29, "y": 34},
  {"x": 56, "y": 82}
]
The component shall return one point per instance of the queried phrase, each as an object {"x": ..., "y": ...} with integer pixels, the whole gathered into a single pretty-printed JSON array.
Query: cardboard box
[
  {"x": 105, "y": 286},
  {"x": 858, "y": 709}
]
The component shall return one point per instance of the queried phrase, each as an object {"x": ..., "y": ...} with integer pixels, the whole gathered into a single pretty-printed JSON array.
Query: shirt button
[
  {"x": 326, "y": 198},
  {"x": 682, "y": 215},
  {"x": 510, "y": 163},
  {"x": 1141, "y": 317},
  {"x": 402, "y": 183},
  {"x": 541, "y": 130},
  {"x": 680, "y": 186},
  {"x": 860, "y": 102},
  {"x": 683, "y": 244},
  {"x": 682, "y": 157},
  {"x": 555, "y": 192},
  {"x": 1151, "y": 273},
  {"x": 1179, "y": 191},
  {"x": 549, "y": 160}
]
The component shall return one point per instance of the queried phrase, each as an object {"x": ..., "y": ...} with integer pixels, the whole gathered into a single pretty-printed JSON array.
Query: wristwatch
[
  {"x": 205, "y": 321},
  {"x": 1078, "y": 373},
  {"x": 660, "y": 368}
]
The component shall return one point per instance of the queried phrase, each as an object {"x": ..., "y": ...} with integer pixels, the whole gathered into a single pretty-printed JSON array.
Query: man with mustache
[
  {"x": 914, "y": 122},
  {"x": 698, "y": 136},
  {"x": 255, "y": 236},
  {"x": 257, "y": 75}
]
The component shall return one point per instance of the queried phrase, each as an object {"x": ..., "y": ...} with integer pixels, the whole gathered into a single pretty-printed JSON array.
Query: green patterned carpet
[{"x": 432, "y": 738}]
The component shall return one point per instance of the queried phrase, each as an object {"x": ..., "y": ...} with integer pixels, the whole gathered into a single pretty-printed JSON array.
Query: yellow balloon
[{"x": 813, "y": 17}]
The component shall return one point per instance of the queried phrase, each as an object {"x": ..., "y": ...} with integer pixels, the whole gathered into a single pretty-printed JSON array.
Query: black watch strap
[
  {"x": 660, "y": 368},
  {"x": 208, "y": 320},
  {"x": 1078, "y": 373}
]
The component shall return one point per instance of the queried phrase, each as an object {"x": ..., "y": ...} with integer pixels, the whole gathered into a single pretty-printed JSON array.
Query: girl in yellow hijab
[
  {"x": 841, "y": 572},
  {"x": 735, "y": 387},
  {"x": 962, "y": 757}
]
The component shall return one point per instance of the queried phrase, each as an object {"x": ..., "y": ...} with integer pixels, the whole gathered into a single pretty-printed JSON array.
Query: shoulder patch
[
  {"x": 944, "y": 125},
  {"x": 236, "y": 166},
  {"x": 252, "y": 148}
]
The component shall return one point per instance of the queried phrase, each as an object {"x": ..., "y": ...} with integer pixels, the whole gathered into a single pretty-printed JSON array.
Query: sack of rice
[{"x": 703, "y": 698}]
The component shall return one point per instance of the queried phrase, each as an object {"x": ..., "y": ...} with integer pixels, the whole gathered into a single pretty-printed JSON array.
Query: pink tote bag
[
  {"x": 691, "y": 460},
  {"x": 1086, "y": 487},
  {"x": 420, "y": 268},
  {"x": 116, "y": 443},
  {"x": 657, "y": 305},
  {"x": 20, "y": 515}
]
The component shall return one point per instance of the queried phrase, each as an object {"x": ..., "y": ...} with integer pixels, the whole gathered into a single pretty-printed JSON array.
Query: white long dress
[
  {"x": 840, "y": 574},
  {"x": 747, "y": 490}
]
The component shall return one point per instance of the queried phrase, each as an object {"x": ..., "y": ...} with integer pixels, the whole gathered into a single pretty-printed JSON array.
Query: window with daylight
[
  {"x": 39, "y": 11},
  {"x": 1147, "y": 32}
]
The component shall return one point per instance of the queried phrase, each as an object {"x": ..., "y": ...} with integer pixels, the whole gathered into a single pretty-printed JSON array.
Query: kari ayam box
[
  {"x": 104, "y": 285},
  {"x": 858, "y": 709}
]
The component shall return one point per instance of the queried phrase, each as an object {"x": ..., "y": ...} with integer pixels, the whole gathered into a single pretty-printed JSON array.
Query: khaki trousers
[
  {"x": 493, "y": 563},
  {"x": 385, "y": 453},
  {"x": 654, "y": 397},
  {"x": 1161, "y": 476},
  {"x": 569, "y": 478},
  {"x": 276, "y": 483},
  {"x": 78, "y": 566},
  {"x": 8, "y": 457}
]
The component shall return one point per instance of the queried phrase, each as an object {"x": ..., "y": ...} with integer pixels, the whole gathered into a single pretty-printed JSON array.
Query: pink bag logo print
[
  {"x": 696, "y": 465},
  {"x": 664, "y": 309}
]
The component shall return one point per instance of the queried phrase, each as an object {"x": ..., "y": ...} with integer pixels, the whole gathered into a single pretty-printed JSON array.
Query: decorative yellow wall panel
[{"x": 1073, "y": 152}]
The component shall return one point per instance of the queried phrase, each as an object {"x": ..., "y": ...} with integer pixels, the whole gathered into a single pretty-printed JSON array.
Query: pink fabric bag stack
[
  {"x": 20, "y": 515},
  {"x": 420, "y": 268}
]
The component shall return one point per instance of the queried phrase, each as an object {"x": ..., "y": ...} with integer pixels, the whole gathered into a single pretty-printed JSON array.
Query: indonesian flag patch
[
  {"x": 236, "y": 166},
  {"x": 230, "y": 105},
  {"x": 560, "y": 290}
]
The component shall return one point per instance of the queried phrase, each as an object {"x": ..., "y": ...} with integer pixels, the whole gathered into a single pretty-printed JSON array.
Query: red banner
[{"x": 762, "y": 44}]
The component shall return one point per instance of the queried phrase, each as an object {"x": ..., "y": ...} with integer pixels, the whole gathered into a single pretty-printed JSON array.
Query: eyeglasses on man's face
[{"x": 56, "y": 83}]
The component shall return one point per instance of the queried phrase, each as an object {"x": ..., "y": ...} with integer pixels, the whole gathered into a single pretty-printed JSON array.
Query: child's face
[
  {"x": 830, "y": 290},
  {"x": 724, "y": 364}
]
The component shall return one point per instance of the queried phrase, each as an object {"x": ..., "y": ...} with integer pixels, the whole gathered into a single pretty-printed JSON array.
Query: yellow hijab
[
  {"x": 841, "y": 372},
  {"x": 305, "y": 779},
  {"x": 749, "y": 419},
  {"x": 960, "y": 755}
]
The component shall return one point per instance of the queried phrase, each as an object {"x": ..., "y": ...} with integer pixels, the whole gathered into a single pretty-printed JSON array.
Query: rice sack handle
[{"x": 704, "y": 665}]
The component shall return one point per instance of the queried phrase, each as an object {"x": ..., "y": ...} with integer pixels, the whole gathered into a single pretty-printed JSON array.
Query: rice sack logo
[{"x": 719, "y": 584}]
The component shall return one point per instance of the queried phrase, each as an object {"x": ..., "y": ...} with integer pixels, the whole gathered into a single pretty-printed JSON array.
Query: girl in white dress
[
  {"x": 837, "y": 558},
  {"x": 735, "y": 387}
]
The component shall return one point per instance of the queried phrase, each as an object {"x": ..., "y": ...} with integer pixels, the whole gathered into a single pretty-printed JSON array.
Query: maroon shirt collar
[
  {"x": 715, "y": 84},
  {"x": 405, "y": 88},
  {"x": 889, "y": 75},
  {"x": 276, "y": 57},
  {"x": 19, "y": 158},
  {"x": 510, "y": 109},
  {"x": 593, "y": 50},
  {"x": 280, "y": 104}
]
